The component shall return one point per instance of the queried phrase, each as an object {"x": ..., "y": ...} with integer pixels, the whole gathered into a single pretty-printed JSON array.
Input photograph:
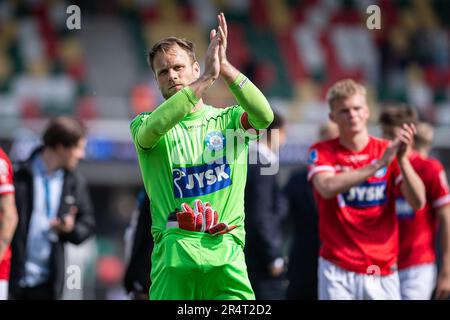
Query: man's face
[
  {"x": 350, "y": 114},
  {"x": 174, "y": 70},
  {"x": 390, "y": 132},
  {"x": 71, "y": 156}
]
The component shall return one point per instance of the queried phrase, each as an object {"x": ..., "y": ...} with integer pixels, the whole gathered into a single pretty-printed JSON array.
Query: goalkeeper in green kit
[{"x": 193, "y": 160}]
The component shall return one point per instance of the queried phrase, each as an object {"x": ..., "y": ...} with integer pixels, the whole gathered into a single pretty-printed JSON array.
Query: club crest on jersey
[
  {"x": 403, "y": 209},
  {"x": 313, "y": 156},
  {"x": 215, "y": 140},
  {"x": 380, "y": 173},
  {"x": 367, "y": 194},
  {"x": 200, "y": 180}
]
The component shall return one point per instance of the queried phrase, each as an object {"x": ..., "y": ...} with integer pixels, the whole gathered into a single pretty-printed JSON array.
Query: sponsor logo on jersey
[
  {"x": 358, "y": 157},
  {"x": 403, "y": 209},
  {"x": 368, "y": 194},
  {"x": 215, "y": 140},
  {"x": 313, "y": 156},
  {"x": 196, "y": 126},
  {"x": 200, "y": 180}
]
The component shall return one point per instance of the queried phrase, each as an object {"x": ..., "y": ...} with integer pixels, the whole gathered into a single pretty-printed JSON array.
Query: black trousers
[{"x": 42, "y": 291}]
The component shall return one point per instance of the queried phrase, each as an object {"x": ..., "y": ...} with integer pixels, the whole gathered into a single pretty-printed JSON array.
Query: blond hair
[
  {"x": 168, "y": 43},
  {"x": 344, "y": 89}
]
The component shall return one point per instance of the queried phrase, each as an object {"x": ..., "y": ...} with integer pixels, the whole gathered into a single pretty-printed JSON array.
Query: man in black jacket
[
  {"x": 264, "y": 207},
  {"x": 303, "y": 222},
  {"x": 54, "y": 207},
  {"x": 138, "y": 250}
]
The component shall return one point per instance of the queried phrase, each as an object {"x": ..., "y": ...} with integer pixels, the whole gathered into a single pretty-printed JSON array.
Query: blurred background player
[
  {"x": 264, "y": 214},
  {"x": 183, "y": 156},
  {"x": 138, "y": 250},
  {"x": 303, "y": 222},
  {"x": 8, "y": 221},
  {"x": 54, "y": 207},
  {"x": 418, "y": 228},
  {"x": 353, "y": 176}
]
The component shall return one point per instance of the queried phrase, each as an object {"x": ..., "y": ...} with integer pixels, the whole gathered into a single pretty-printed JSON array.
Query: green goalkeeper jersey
[
  {"x": 185, "y": 155},
  {"x": 204, "y": 157}
]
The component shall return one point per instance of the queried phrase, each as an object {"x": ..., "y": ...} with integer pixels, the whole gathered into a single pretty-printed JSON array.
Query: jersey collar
[{"x": 197, "y": 114}]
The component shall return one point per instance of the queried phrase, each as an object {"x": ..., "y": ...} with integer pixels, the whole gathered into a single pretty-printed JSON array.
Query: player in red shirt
[
  {"x": 353, "y": 178},
  {"x": 418, "y": 228},
  {"x": 8, "y": 221}
]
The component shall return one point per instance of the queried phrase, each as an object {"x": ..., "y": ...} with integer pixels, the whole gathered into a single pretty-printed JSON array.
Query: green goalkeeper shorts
[{"x": 189, "y": 265}]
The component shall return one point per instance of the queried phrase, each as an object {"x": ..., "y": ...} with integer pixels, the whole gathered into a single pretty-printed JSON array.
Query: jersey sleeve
[
  {"x": 148, "y": 129},
  {"x": 239, "y": 117},
  {"x": 6, "y": 176},
  {"x": 320, "y": 159},
  {"x": 253, "y": 101},
  {"x": 437, "y": 186},
  {"x": 134, "y": 128}
]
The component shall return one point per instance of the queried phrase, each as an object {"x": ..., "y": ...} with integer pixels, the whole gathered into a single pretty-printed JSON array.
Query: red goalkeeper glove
[
  {"x": 211, "y": 218},
  {"x": 188, "y": 219},
  {"x": 202, "y": 218}
]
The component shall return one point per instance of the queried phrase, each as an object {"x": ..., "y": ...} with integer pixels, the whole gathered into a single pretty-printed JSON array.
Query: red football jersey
[
  {"x": 6, "y": 187},
  {"x": 417, "y": 228},
  {"x": 358, "y": 229}
]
